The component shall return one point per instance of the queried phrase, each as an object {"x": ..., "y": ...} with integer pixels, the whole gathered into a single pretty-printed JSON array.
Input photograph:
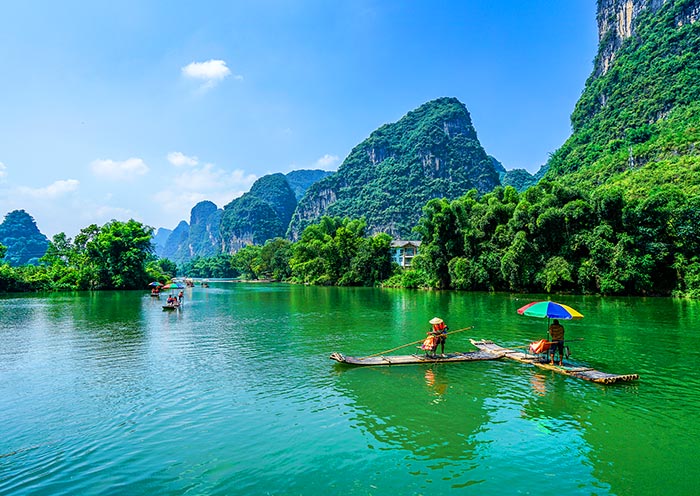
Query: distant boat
[{"x": 171, "y": 306}]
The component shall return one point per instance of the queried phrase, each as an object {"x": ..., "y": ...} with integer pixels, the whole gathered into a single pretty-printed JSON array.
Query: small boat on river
[
  {"x": 470, "y": 356},
  {"x": 580, "y": 372},
  {"x": 170, "y": 307}
]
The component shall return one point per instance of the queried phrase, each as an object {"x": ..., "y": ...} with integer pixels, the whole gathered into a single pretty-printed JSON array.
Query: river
[{"x": 106, "y": 393}]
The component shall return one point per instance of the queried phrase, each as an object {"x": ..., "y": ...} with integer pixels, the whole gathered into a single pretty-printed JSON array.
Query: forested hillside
[
  {"x": 432, "y": 152},
  {"x": 619, "y": 211},
  {"x": 637, "y": 123},
  {"x": 260, "y": 214}
]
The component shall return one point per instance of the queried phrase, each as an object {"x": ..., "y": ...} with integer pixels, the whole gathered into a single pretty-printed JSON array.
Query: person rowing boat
[{"x": 437, "y": 335}]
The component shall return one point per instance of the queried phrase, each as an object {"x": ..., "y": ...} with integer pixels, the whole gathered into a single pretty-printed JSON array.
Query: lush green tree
[
  {"x": 247, "y": 261},
  {"x": 441, "y": 240},
  {"x": 116, "y": 254},
  {"x": 372, "y": 262},
  {"x": 335, "y": 251},
  {"x": 274, "y": 259}
]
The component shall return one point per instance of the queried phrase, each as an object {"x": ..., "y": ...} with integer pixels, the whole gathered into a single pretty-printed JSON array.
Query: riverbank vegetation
[
  {"x": 550, "y": 238},
  {"x": 117, "y": 255}
]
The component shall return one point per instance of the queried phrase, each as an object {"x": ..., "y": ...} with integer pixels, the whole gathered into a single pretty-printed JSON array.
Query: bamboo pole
[{"x": 416, "y": 342}]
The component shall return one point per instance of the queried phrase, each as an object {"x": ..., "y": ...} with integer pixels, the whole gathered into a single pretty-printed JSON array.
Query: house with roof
[{"x": 403, "y": 252}]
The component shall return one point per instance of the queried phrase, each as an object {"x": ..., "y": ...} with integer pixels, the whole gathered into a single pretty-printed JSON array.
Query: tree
[
  {"x": 247, "y": 261},
  {"x": 441, "y": 240},
  {"x": 118, "y": 251},
  {"x": 274, "y": 259}
]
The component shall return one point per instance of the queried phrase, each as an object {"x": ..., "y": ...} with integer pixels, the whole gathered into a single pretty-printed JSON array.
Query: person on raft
[
  {"x": 439, "y": 330},
  {"x": 556, "y": 334}
]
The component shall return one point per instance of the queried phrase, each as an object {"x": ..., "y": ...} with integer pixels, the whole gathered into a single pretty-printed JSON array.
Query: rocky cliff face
[
  {"x": 640, "y": 104},
  {"x": 204, "y": 238},
  {"x": 301, "y": 180},
  {"x": 618, "y": 20},
  {"x": 175, "y": 247}
]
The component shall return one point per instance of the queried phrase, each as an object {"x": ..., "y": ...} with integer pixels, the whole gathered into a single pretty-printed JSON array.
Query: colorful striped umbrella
[{"x": 549, "y": 310}]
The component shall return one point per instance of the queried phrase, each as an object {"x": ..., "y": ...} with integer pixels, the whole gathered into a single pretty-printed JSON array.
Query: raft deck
[
  {"x": 585, "y": 373},
  {"x": 416, "y": 358}
]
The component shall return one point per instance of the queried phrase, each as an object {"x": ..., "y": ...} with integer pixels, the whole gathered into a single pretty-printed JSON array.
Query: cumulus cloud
[
  {"x": 207, "y": 182},
  {"x": 179, "y": 159},
  {"x": 119, "y": 171},
  {"x": 327, "y": 162},
  {"x": 210, "y": 72},
  {"x": 53, "y": 190},
  {"x": 211, "y": 178}
]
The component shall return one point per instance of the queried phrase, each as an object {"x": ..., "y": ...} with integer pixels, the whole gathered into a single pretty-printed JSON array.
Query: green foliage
[
  {"x": 114, "y": 256},
  {"x": 432, "y": 152},
  {"x": 259, "y": 215},
  {"x": 204, "y": 239},
  {"x": 274, "y": 259},
  {"x": 217, "y": 266},
  {"x": 336, "y": 252},
  {"x": 644, "y": 110},
  {"x": 300, "y": 180},
  {"x": 246, "y": 261},
  {"x": 555, "y": 237}
]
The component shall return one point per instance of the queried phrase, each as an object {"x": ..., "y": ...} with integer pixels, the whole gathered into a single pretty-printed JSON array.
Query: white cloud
[
  {"x": 210, "y": 178},
  {"x": 327, "y": 162},
  {"x": 3, "y": 171},
  {"x": 210, "y": 72},
  {"x": 120, "y": 171},
  {"x": 53, "y": 190},
  {"x": 179, "y": 159},
  {"x": 207, "y": 182}
]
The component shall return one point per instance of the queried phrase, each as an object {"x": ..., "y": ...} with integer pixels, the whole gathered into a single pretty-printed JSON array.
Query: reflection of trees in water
[{"x": 431, "y": 411}]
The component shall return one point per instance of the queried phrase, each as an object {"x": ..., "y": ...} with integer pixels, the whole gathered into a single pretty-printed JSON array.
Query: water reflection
[
  {"x": 423, "y": 409},
  {"x": 236, "y": 394},
  {"x": 437, "y": 382}
]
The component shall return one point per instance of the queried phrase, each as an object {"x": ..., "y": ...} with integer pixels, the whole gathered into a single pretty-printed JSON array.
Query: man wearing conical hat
[{"x": 440, "y": 330}]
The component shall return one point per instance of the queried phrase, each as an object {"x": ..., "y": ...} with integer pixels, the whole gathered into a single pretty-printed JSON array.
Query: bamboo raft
[
  {"x": 471, "y": 356},
  {"x": 585, "y": 373}
]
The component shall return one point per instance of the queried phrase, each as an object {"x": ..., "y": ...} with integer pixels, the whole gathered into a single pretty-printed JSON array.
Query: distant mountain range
[
  {"x": 431, "y": 152},
  {"x": 262, "y": 213}
]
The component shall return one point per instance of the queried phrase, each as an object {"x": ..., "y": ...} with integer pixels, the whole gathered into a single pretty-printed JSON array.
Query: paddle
[{"x": 416, "y": 342}]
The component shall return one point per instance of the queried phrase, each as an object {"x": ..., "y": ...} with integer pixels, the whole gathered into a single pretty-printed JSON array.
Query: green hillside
[
  {"x": 619, "y": 209},
  {"x": 432, "y": 152},
  {"x": 637, "y": 124},
  {"x": 261, "y": 214}
]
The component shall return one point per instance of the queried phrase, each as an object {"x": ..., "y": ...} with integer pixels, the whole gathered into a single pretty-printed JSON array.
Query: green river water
[{"x": 106, "y": 393}]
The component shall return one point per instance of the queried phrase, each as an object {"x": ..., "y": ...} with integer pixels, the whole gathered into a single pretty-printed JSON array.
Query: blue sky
[{"x": 140, "y": 109}]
